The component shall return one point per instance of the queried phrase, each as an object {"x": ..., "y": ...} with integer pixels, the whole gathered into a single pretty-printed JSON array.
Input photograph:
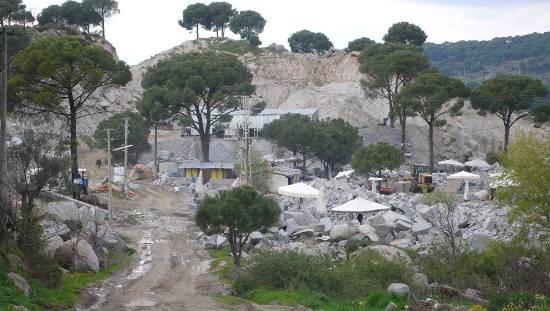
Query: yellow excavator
[{"x": 421, "y": 180}]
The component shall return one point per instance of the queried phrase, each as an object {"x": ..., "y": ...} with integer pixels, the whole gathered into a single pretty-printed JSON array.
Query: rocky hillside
[{"x": 330, "y": 82}]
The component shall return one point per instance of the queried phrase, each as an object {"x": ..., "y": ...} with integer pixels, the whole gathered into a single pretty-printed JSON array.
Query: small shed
[{"x": 216, "y": 170}]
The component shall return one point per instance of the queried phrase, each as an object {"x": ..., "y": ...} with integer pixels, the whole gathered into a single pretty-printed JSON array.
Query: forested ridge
[{"x": 478, "y": 60}]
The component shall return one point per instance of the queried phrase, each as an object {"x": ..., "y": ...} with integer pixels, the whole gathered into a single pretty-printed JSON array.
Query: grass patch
[
  {"x": 42, "y": 297},
  {"x": 222, "y": 264}
]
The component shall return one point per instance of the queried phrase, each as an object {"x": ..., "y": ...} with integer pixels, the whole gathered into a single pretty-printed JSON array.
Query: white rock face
[
  {"x": 342, "y": 232},
  {"x": 327, "y": 223}
]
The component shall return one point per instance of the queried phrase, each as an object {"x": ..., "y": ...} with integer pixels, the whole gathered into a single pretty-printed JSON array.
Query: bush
[
  {"x": 349, "y": 280},
  {"x": 502, "y": 267},
  {"x": 380, "y": 299},
  {"x": 518, "y": 301},
  {"x": 492, "y": 158}
]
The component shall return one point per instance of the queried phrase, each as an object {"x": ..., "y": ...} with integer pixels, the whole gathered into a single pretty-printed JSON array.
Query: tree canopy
[
  {"x": 247, "y": 24},
  {"x": 526, "y": 180},
  {"x": 138, "y": 133},
  {"x": 508, "y": 97},
  {"x": 294, "y": 132},
  {"x": 104, "y": 9},
  {"x": 528, "y": 54},
  {"x": 433, "y": 96},
  {"x": 373, "y": 159},
  {"x": 196, "y": 15},
  {"x": 359, "y": 44},
  {"x": 220, "y": 16},
  {"x": 305, "y": 41},
  {"x": 235, "y": 214},
  {"x": 203, "y": 87},
  {"x": 70, "y": 13},
  {"x": 335, "y": 142},
  {"x": 405, "y": 33},
  {"x": 390, "y": 67},
  {"x": 57, "y": 75}
]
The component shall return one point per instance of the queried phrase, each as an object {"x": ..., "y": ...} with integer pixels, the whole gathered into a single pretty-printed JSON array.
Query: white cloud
[{"x": 145, "y": 28}]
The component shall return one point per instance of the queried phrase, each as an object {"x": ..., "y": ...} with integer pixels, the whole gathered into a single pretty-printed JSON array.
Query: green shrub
[
  {"x": 492, "y": 158},
  {"x": 348, "y": 280},
  {"x": 380, "y": 299},
  {"x": 524, "y": 301},
  {"x": 508, "y": 267}
]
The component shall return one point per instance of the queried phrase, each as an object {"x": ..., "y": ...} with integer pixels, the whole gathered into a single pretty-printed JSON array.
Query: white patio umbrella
[
  {"x": 479, "y": 164},
  {"x": 360, "y": 205},
  {"x": 374, "y": 180},
  {"x": 299, "y": 190},
  {"x": 344, "y": 174},
  {"x": 466, "y": 177}
]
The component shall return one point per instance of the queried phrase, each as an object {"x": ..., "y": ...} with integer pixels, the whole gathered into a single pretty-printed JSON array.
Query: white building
[{"x": 257, "y": 122}]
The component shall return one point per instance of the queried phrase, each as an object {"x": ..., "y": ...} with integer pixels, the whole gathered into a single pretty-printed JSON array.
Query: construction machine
[{"x": 421, "y": 180}]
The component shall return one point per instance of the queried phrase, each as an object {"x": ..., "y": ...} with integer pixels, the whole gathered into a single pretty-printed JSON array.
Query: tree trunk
[
  {"x": 155, "y": 168},
  {"x": 329, "y": 171},
  {"x": 74, "y": 143},
  {"x": 197, "y": 31},
  {"x": 391, "y": 113},
  {"x": 431, "y": 145},
  {"x": 403, "y": 122},
  {"x": 506, "y": 136},
  {"x": 205, "y": 147},
  {"x": 103, "y": 27},
  {"x": 223, "y": 32},
  {"x": 217, "y": 33},
  {"x": 3, "y": 120}
]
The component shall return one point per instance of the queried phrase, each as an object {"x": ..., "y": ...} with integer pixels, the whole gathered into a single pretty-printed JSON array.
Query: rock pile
[
  {"x": 78, "y": 236},
  {"x": 409, "y": 224}
]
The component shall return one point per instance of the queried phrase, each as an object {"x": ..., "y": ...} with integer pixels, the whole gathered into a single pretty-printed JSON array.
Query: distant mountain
[{"x": 475, "y": 61}]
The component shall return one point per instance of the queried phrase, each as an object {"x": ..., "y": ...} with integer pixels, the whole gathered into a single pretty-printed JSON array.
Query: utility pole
[
  {"x": 109, "y": 208},
  {"x": 4, "y": 113},
  {"x": 125, "y": 155}
]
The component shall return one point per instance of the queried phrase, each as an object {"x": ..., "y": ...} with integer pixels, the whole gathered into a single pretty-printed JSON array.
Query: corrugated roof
[
  {"x": 281, "y": 111},
  {"x": 206, "y": 165}
]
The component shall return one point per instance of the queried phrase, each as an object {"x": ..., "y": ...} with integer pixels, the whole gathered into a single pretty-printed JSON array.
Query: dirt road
[
  {"x": 171, "y": 268},
  {"x": 171, "y": 272}
]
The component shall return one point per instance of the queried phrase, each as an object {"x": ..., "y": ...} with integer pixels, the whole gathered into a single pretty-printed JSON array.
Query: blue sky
[{"x": 145, "y": 28}]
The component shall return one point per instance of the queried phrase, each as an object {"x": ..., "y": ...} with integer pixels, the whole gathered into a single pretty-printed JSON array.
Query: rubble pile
[
  {"x": 409, "y": 224},
  {"x": 77, "y": 234}
]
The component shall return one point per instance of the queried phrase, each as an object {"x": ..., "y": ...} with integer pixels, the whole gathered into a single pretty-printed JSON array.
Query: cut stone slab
[
  {"x": 256, "y": 237},
  {"x": 370, "y": 232},
  {"x": 301, "y": 218},
  {"x": 421, "y": 226},
  {"x": 307, "y": 233},
  {"x": 342, "y": 232},
  {"x": 20, "y": 283},
  {"x": 327, "y": 222}
]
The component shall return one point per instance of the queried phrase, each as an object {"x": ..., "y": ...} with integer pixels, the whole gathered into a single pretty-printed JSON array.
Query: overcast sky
[{"x": 145, "y": 28}]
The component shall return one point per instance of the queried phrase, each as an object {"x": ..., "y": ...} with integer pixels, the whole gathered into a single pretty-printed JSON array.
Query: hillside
[
  {"x": 479, "y": 60},
  {"x": 330, "y": 82}
]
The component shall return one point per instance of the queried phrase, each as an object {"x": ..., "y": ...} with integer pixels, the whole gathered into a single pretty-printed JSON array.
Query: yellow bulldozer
[{"x": 421, "y": 180}]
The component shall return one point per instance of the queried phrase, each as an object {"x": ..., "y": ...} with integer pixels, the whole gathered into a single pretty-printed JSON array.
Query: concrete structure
[{"x": 216, "y": 170}]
